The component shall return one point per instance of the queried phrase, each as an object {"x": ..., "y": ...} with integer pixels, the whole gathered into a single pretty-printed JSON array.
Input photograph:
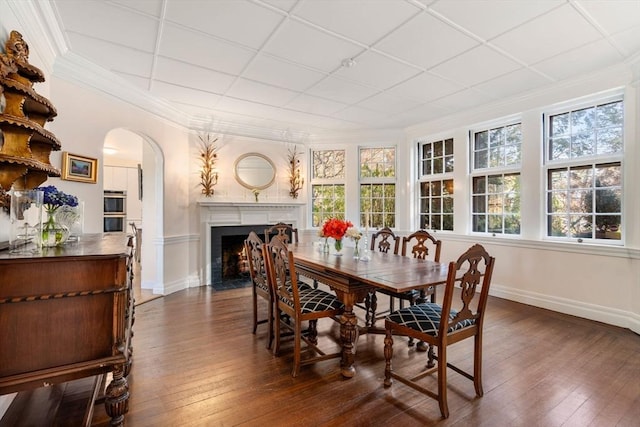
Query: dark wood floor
[{"x": 196, "y": 363}]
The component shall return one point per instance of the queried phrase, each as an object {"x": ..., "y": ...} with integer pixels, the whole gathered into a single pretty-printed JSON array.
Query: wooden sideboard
[{"x": 67, "y": 313}]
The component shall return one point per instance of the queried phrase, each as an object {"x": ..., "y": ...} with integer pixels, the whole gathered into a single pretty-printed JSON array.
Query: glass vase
[
  {"x": 356, "y": 250},
  {"x": 53, "y": 232},
  {"x": 338, "y": 247},
  {"x": 25, "y": 218},
  {"x": 325, "y": 246}
]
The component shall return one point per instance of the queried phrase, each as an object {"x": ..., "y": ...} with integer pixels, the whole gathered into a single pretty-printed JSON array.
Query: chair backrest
[
  {"x": 421, "y": 242},
  {"x": 281, "y": 275},
  {"x": 384, "y": 240},
  {"x": 283, "y": 231},
  {"x": 257, "y": 270},
  {"x": 474, "y": 268}
]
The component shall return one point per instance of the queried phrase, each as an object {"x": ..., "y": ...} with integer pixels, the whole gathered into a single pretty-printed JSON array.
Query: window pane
[
  {"x": 328, "y": 164},
  {"x": 435, "y": 198}
]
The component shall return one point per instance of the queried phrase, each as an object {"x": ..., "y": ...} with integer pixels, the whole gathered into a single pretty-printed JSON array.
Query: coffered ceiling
[{"x": 317, "y": 66}]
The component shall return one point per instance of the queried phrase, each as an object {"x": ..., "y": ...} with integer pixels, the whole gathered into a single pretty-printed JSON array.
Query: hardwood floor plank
[{"x": 196, "y": 363}]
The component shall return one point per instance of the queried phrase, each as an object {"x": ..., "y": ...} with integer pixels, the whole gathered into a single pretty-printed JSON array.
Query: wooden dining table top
[{"x": 383, "y": 270}]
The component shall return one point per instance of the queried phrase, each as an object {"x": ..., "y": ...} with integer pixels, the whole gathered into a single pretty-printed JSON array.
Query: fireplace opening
[
  {"x": 228, "y": 260},
  {"x": 234, "y": 259}
]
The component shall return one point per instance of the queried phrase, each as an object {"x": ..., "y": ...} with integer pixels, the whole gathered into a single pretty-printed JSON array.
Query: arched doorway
[{"x": 129, "y": 150}]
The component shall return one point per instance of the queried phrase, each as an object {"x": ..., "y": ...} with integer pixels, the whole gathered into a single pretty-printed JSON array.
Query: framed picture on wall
[{"x": 79, "y": 168}]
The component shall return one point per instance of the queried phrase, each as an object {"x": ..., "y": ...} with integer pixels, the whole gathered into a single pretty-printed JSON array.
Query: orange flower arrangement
[{"x": 335, "y": 228}]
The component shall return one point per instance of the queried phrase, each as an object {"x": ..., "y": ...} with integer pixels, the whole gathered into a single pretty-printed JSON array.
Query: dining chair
[
  {"x": 137, "y": 235},
  {"x": 282, "y": 230},
  {"x": 422, "y": 245},
  {"x": 259, "y": 284},
  {"x": 384, "y": 240},
  {"x": 446, "y": 324},
  {"x": 300, "y": 303}
]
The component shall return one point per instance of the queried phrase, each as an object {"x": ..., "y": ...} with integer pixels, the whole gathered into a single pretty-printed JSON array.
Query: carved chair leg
[
  {"x": 442, "y": 381},
  {"x": 255, "y": 311},
  {"x": 297, "y": 348},
  {"x": 388, "y": 355}
]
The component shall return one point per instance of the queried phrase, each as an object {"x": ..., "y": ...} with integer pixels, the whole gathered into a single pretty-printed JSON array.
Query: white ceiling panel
[
  {"x": 260, "y": 92},
  {"x": 426, "y": 41},
  {"x": 488, "y": 19},
  {"x": 361, "y": 115},
  {"x": 310, "y": 47},
  {"x": 149, "y": 7},
  {"x": 103, "y": 21},
  {"x": 374, "y": 18},
  {"x": 488, "y": 64},
  {"x": 279, "y": 63},
  {"x": 426, "y": 87},
  {"x": 267, "y": 69},
  {"x": 313, "y": 104},
  {"x": 584, "y": 59},
  {"x": 629, "y": 40},
  {"x": 390, "y": 104},
  {"x": 511, "y": 84},
  {"x": 341, "y": 90},
  {"x": 238, "y": 21},
  {"x": 192, "y": 76},
  {"x": 534, "y": 41},
  {"x": 185, "y": 95},
  {"x": 113, "y": 57},
  {"x": 203, "y": 51},
  {"x": 613, "y": 15},
  {"x": 377, "y": 70}
]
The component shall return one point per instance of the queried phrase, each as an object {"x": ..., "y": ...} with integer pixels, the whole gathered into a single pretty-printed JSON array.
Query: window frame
[
  {"x": 488, "y": 172},
  {"x": 590, "y": 160},
  {"x": 438, "y": 178},
  {"x": 381, "y": 180},
  {"x": 324, "y": 182}
]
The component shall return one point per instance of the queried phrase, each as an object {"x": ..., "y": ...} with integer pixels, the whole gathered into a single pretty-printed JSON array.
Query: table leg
[
  {"x": 116, "y": 403},
  {"x": 349, "y": 336}
]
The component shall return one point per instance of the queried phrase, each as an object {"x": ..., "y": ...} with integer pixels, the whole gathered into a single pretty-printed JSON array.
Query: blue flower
[{"x": 55, "y": 198}]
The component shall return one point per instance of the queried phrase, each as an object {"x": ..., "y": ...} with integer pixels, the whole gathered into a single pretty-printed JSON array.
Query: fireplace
[
  {"x": 220, "y": 220},
  {"x": 227, "y": 259}
]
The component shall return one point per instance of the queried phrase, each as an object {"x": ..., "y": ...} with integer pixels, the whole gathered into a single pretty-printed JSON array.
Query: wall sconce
[
  {"x": 296, "y": 181},
  {"x": 208, "y": 157}
]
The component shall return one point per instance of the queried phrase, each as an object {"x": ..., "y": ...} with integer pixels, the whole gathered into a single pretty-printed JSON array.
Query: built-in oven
[
  {"x": 115, "y": 211},
  {"x": 114, "y": 223}
]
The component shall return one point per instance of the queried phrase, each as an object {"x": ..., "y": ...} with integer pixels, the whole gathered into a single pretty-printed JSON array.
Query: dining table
[{"x": 352, "y": 278}]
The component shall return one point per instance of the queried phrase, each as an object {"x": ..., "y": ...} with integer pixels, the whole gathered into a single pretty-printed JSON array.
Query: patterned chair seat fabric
[
  {"x": 425, "y": 318},
  {"x": 312, "y": 300}
]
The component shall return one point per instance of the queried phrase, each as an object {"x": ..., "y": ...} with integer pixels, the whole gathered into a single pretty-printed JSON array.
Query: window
[
  {"x": 584, "y": 172},
  {"x": 377, "y": 186},
  {"x": 436, "y": 205},
  {"x": 436, "y": 195},
  {"x": 495, "y": 180},
  {"x": 327, "y": 189},
  {"x": 496, "y": 203}
]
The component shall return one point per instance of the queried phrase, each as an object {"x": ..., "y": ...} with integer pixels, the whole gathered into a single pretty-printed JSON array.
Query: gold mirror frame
[{"x": 249, "y": 171}]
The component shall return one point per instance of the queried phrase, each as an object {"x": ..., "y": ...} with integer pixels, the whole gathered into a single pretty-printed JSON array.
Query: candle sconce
[
  {"x": 296, "y": 180},
  {"x": 208, "y": 157}
]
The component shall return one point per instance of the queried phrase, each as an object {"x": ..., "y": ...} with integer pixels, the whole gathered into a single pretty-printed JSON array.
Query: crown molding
[{"x": 39, "y": 29}]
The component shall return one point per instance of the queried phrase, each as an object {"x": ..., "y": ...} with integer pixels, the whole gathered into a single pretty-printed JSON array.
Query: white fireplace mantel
[{"x": 220, "y": 214}]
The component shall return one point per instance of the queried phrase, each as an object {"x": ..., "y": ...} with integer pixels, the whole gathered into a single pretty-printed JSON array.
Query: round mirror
[{"x": 254, "y": 171}]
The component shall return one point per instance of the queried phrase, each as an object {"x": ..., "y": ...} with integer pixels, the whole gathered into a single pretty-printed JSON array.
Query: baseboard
[{"x": 611, "y": 316}]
